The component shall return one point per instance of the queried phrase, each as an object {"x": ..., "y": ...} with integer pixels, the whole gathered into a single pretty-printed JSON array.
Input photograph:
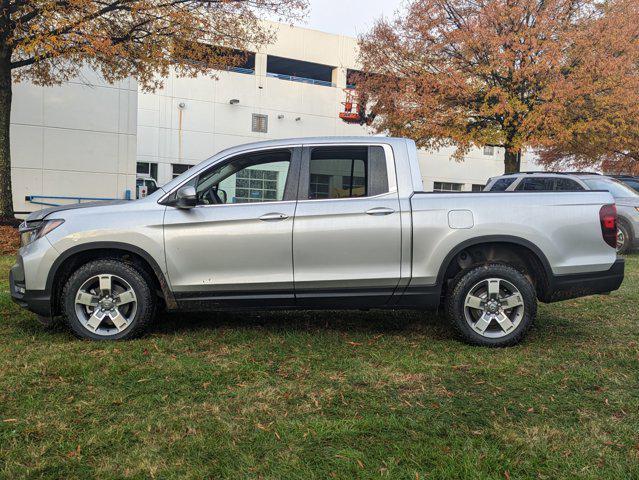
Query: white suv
[{"x": 626, "y": 199}]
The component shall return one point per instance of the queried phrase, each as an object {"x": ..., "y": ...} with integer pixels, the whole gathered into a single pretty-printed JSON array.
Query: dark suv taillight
[{"x": 608, "y": 220}]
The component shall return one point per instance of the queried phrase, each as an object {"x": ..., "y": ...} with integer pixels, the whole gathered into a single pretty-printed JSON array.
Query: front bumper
[
  {"x": 36, "y": 301},
  {"x": 564, "y": 287}
]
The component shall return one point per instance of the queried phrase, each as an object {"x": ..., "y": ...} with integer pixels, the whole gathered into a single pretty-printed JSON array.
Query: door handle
[
  {"x": 273, "y": 216},
  {"x": 380, "y": 211}
]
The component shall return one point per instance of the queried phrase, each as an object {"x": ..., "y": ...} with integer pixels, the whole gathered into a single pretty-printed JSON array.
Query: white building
[{"x": 89, "y": 139}]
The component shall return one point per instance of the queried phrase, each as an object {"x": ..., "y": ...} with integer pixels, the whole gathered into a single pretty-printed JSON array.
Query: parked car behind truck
[
  {"x": 626, "y": 199},
  {"x": 317, "y": 223}
]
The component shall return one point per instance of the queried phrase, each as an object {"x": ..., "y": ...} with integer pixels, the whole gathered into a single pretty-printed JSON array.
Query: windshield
[{"x": 617, "y": 189}]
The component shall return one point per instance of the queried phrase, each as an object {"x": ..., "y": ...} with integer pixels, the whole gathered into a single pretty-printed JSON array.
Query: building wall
[
  {"x": 76, "y": 139},
  {"x": 83, "y": 138},
  {"x": 191, "y": 119}
]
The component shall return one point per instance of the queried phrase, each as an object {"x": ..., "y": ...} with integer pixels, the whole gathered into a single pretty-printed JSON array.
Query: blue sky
[{"x": 348, "y": 17}]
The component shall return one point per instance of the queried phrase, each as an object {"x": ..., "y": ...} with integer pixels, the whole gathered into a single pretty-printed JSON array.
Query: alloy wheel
[
  {"x": 106, "y": 304},
  {"x": 494, "y": 308},
  {"x": 621, "y": 239}
]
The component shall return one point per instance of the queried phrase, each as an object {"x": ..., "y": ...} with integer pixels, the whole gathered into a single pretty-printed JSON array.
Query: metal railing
[
  {"x": 247, "y": 71},
  {"x": 293, "y": 78}
]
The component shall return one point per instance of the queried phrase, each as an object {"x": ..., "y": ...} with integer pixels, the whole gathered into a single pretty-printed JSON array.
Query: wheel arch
[
  {"x": 535, "y": 261},
  {"x": 628, "y": 224},
  {"x": 79, "y": 255}
]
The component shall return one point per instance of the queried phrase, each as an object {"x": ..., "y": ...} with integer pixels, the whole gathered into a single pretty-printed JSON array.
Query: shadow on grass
[{"x": 372, "y": 322}]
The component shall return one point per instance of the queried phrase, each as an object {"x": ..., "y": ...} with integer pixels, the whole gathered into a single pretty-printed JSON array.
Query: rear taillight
[{"x": 608, "y": 220}]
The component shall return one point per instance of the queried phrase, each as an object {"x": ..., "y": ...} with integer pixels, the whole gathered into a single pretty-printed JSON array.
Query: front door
[
  {"x": 347, "y": 231},
  {"x": 235, "y": 246}
]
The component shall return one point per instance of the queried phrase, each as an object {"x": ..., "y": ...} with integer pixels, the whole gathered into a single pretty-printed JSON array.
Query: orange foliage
[
  {"x": 48, "y": 41},
  {"x": 542, "y": 74},
  {"x": 9, "y": 240}
]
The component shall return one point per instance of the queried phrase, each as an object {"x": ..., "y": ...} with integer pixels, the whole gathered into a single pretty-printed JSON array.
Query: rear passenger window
[
  {"x": 567, "y": 185},
  {"x": 502, "y": 184},
  {"x": 347, "y": 172},
  {"x": 538, "y": 184}
]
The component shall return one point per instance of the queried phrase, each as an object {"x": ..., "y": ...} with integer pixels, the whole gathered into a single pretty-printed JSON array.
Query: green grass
[{"x": 325, "y": 395}]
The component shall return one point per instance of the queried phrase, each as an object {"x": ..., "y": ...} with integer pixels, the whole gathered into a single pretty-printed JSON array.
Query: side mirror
[{"x": 186, "y": 197}]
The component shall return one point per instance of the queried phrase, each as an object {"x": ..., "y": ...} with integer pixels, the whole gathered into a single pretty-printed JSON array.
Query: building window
[
  {"x": 351, "y": 78},
  {"x": 299, "y": 71},
  {"x": 252, "y": 185},
  {"x": 147, "y": 169},
  {"x": 259, "y": 123},
  {"x": 214, "y": 56},
  {"x": 489, "y": 150},
  {"x": 447, "y": 187},
  {"x": 319, "y": 186},
  {"x": 179, "y": 168},
  {"x": 477, "y": 188}
]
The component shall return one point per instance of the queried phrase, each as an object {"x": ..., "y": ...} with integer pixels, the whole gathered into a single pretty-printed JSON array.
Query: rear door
[{"x": 347, "y": 230}]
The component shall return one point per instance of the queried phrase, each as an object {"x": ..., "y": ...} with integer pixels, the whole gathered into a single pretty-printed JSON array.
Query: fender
[{"x": 125, "y": 247}]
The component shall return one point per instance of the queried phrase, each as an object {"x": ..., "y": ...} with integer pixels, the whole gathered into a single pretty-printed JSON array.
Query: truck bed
[{"x": 563, "y": 225}]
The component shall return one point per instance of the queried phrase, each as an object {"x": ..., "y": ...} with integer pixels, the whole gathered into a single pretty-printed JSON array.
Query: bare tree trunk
[
  {"x": 6, "y": 196},
  {"x": 512, "y": 160}
]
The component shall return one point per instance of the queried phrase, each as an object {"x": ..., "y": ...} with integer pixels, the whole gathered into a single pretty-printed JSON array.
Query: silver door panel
[{"x": 230, "y": 247}]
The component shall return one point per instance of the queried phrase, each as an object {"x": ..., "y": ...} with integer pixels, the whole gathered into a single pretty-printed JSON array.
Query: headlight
[{"x": 30, "y": 232}]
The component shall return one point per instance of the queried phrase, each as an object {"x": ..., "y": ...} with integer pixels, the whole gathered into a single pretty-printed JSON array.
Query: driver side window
[{"x": 257, "y": 177}]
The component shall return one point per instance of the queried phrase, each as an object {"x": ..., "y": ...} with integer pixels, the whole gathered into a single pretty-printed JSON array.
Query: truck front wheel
[
  {"x": 108, "y": 300},
  {"x": 492, "y": 305}
]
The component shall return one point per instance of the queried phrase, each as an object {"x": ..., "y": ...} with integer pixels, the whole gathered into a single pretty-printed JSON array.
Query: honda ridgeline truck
[{"x": 316, "y": 223}]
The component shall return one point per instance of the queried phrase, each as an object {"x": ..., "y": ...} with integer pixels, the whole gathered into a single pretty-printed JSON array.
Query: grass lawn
[{"x": 325, "y": 395}]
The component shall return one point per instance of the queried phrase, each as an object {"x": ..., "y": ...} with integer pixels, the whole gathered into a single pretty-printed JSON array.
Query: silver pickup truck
[{"x": 316, "y": 223}]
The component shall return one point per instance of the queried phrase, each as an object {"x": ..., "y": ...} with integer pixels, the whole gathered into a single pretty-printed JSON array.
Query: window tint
[
  {"x": 347, "y": 172},
  {"x": 538, "y": 184},
  {"x": 617, "y": 189},
  {"x": 247, "y": 179},
  {"x": 502, "y": 184},
  {"x": 567, "y": 185},
  {"x": 634, "y": 184}
]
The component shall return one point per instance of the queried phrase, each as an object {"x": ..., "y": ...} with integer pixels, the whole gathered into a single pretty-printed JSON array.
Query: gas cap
[{"x": 460, "y": 219}]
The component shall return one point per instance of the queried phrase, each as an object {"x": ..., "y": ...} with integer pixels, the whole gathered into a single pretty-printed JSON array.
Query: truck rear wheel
[
  {"x": 492, "y": 305},
  {"x": 108, "y": 300},
  {"x": 623, "y": 238}
]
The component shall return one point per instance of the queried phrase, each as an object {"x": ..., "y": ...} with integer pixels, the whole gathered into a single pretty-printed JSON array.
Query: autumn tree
[
  {"x": 50, "y": 41},
  {"x": 506, "y": 73},
  {"x": 597, "y": 106}
]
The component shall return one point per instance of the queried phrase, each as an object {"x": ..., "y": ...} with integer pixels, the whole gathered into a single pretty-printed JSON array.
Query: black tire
[
  {"x": 141, "y": 285},
  {"x": 625, "y": 231},
  {"x": 463, "y": 285}
]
